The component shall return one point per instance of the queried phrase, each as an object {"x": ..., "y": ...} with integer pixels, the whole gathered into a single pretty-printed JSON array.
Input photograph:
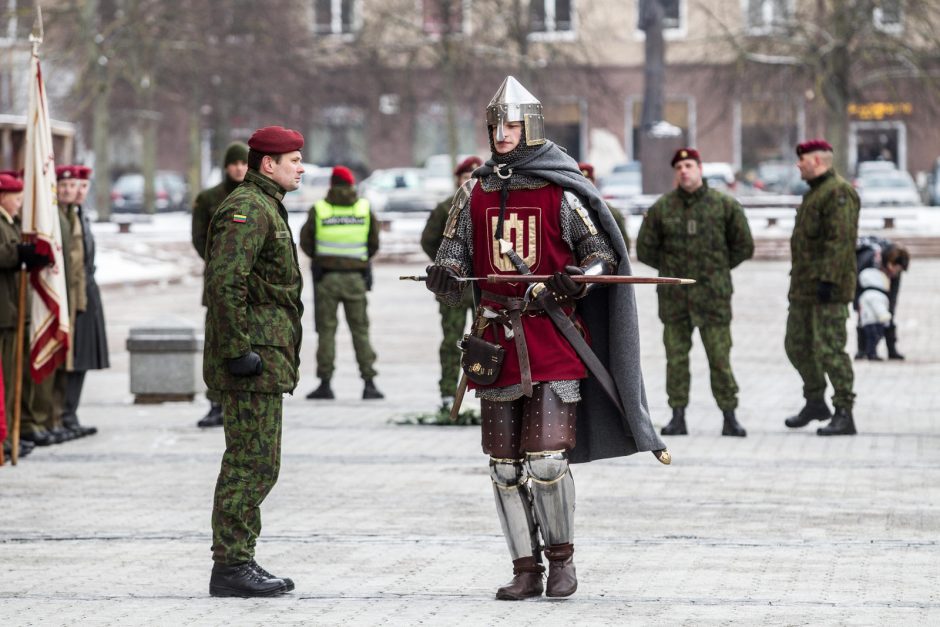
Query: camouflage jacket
[
  {"x": 433, "y": 231},
  {"x": 699, "y": 236},
  {"x": 254, "y": 283},
  {"x": 204, "y": 206},
  {"x": 822, "y": 246}
]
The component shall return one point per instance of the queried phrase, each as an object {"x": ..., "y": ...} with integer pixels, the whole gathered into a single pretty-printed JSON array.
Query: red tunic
[{"x": 532, "y": 224}]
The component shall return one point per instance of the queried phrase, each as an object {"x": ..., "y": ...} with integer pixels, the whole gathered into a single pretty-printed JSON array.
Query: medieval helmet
[{"x": 514, "y": 103}]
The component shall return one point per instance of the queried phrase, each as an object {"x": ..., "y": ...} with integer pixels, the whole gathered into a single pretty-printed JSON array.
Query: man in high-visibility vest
[{"x": 341, "y": 235}]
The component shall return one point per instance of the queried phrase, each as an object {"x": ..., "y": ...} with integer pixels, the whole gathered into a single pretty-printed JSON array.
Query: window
[
  {"x": 551, "y": 17},
  {"x": 674, "y": 18},
  {"x": 887, "y": 16},
  {"x": 443, "y": 17},
  {"x": 334, "y": 17},
  {"x": 16, "y": 20},
  {"x": 767, "y": 15}
]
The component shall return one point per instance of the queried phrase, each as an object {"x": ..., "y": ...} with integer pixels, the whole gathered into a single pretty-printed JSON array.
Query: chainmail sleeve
[
  {"x": 456, "y": 251},
  {"x": 588, "y": 242}
]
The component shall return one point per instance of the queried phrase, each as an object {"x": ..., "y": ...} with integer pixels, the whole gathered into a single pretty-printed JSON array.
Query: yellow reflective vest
[{"x": 342, "y": 231}]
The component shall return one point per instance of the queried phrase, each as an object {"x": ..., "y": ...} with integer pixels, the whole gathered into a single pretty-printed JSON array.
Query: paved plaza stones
[{"x": 381, "y": 524}]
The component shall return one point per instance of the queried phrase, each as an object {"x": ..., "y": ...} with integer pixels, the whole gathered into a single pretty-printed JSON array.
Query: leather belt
[{"x": 514, "y": 307}]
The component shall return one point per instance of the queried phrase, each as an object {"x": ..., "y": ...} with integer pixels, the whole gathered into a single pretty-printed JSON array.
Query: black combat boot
[
  {"x": 841, "y": 424},
  {"x": 676, "y": 426},
  {"x": 813, "y": 410},
  {"x": 213, "y": 418},
  {"x": 732, "y": 426},
  {"x": 370, "y": 391},
  {"x": 39, "y": 438},
  {"x": 287, "y": 580},
  {"x": 243, "y": 580},
  {"x": 891, "y": 339},
  {"x": 322, "y": 392}
]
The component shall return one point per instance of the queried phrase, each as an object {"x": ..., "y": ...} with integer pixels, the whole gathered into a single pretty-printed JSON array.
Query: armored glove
[
  {"x": 27, "y": 254},
  {"x": 248, "y": 365},
  {"x": 824, "y": 291},
  {"x": 562, "y": 285},
  {"x": 441, "y": 280}
]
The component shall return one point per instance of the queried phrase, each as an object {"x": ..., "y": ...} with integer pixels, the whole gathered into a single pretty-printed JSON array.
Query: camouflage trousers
[
  {"x": 250, "y": 466},
  {"x": 716, "y": 338},
  {"x": 815, "y": 345},
  {"x": 348, "y": 288},
  {"x": 453, "y": 324}
]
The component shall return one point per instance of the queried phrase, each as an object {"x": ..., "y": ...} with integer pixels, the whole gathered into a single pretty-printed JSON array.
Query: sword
[{"x": 577, "y": 278}]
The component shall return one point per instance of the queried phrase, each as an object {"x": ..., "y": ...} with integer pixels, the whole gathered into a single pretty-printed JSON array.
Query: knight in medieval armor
[{"x": 556, "y": 365}]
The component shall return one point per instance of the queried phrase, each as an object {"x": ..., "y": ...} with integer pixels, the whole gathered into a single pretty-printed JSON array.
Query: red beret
[
  {"x": 82, "y": 172},
  {"x": 63, "y": 172},
  {"x": 468, "y": 165},
  {"x": 685, "y": 153},
  {"x": 10, "y": 183},
  {"x": 17, "y": 174},
  {"x": 587, "y": 170},
  {"x": 275, "y": 140},
  {"x": 813, "y": 145},
  {"x": 342, "y": 176}
]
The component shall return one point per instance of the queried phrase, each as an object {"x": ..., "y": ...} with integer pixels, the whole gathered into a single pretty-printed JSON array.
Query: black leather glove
[
  {"x": 824, "y": 291},
  {"x": 27, "y": 254},
  {"x": 441, "y": 280},
  {"x": 562, "y": 285},
  {"x": 248, "y": 365}
]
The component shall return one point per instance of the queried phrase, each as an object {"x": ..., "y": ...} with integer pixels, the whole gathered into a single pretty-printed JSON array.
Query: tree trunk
[
  {"x": 654, "y": 66},
  {"x": 149, "y": 158}
]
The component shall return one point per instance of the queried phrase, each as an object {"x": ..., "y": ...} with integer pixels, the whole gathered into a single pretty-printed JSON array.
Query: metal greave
[
  {"x": 514, "y": 507},
  {"x": 552, "y": 488}
]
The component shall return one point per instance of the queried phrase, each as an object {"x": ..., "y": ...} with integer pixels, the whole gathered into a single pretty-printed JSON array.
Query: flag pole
[{"x": 35, "y": 39}]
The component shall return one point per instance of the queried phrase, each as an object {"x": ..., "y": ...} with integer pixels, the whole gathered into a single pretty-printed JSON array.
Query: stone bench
[{"x": 165, "y": 361}]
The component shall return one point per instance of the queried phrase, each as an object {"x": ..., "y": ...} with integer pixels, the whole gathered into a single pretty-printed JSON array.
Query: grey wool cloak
[{"x": 611, "y": 318}]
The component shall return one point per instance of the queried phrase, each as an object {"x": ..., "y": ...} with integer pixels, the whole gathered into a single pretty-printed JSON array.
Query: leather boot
[
  {"x": 526, "y": 581},
  {"x": 891, "y": 339},
  {"x": 213, "y": 418},
  {"x": 859, "y": 343},
  {"x": 369, "y": 391},
  {"x": 813, "y": 410},
  {"x": 732, "y": 426},
  {"x": 676, "y": 426},
  {"x": 39, "y": 438},
  {"x": 288, "y": 582},
  {"x": 841, "y": 424},
  {"x": 562, "y": 579},
  {"x": 322, "y": 392},
  {"x": 242, "y": 580}
]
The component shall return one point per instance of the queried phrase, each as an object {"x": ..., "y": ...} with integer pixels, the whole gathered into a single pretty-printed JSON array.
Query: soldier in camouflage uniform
[
  {"x": 453, "y": 319},
  {"x": 822, "y": 283},
  {"x": 588, "y": 171},
  {"x": 341, "y": 235},
  {"x": 234, "y": 166},
  {"x": 252, "y": 348},
  {"x": 699, "y": 233}
]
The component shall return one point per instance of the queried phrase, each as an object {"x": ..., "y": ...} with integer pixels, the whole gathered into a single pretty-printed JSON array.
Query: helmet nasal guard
[{"x": 514, "y": 103}]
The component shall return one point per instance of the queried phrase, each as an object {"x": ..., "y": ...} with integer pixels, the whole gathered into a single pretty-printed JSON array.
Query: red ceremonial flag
[{"x": 49, "y": 332}]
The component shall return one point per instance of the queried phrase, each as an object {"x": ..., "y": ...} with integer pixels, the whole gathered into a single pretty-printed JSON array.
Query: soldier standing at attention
[
  {"x": 89, "y": 339},
  {"x": 822, "y": 284},
  {"x": 253, "y": 333},
  {"x": 588, "y": 171},
  {"x": 341, "y": 235},
  {"x": 700, "y": 233},
  {"x": 453, "y": 319},
  {"x": 235, "y": 165}
]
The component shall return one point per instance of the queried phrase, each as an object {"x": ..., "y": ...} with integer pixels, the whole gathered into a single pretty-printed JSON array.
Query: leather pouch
[{"x": 481, "y": 360}]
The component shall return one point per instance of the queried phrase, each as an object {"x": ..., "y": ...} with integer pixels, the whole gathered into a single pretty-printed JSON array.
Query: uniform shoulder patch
[
  {"x": 239, "y": 218},
  {"x": 461, "y": 199},
  {"x": 575, "y": 203}
]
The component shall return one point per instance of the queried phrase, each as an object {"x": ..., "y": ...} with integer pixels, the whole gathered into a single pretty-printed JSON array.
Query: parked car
[
  {"x": 313, "y": 187},
  {"x": 779, "y": 177},
  {"x": 867, "y": 167},
  {"x": 933, "y": 184},
  {"x": 171, "y": 191},
  {"x": 401, "y": 189},
  {"x": 887, "y": 187},
  {"x": 621, "y": 188}
]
